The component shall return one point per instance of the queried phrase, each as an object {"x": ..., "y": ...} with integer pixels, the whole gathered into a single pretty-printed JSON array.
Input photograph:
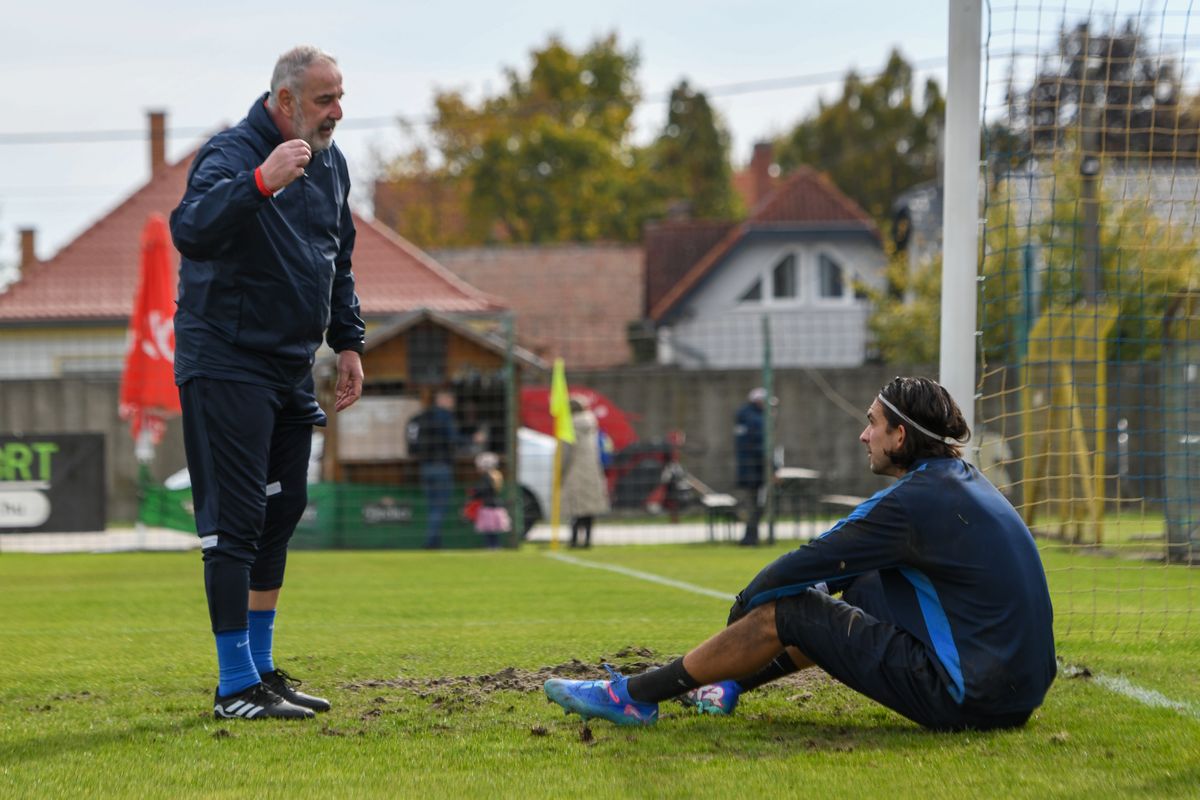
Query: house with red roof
[
  {"x": 68, "y": 315},
  {"x": 573, "y": 300},
  {"x": 796, "y": 266}
]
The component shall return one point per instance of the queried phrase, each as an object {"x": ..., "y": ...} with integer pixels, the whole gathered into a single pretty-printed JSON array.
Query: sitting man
[{"x": 944, "y": 614}]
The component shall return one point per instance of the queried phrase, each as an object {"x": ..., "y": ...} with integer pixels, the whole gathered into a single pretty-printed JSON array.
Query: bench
[
  {"x": 796, "y": 495},
  {"x": 721, "y": 514},
  {"x": 846, "y": 501}
]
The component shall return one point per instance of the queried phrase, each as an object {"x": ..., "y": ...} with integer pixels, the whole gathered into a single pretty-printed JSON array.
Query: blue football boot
[
  {"x": 608, "y": 700},
  {"x": 715, "y": 698}
]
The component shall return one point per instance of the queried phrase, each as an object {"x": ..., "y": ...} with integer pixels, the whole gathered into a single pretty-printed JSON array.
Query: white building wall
[
  {"x": 715, "y": 329},
  {"x": 27, "y": 353}
]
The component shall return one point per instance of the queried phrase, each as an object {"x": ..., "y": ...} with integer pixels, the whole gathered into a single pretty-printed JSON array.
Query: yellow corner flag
[
  {"x": 560, "y": 404},
  {"x": 564, "y": 431}
]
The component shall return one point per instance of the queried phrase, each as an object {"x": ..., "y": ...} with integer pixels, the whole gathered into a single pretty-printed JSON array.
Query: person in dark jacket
[
  {"x": 748, "y": 431},
  {"x": 266, "y": 236},
  {"x": 944, "y": 614},
  {"x": 438, "y": 433}
]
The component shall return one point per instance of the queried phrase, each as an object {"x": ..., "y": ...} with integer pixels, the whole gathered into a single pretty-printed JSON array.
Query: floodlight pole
[{"x": 960, "y": 218}]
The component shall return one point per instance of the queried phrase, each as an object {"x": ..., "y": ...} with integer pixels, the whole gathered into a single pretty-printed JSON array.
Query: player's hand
[
  {"x": 738, "y": 610},
  {"x": 285, "y": 164},
  {"x": 349, "y": 380}
]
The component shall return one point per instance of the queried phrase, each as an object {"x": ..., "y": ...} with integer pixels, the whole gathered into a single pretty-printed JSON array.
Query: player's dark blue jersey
[{"x": 960, "y": 571}]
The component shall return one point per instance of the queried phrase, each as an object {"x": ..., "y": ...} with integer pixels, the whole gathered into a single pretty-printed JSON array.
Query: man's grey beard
[{"x": 310, "y": 136}]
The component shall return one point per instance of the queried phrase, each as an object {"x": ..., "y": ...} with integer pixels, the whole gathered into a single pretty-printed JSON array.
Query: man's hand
[
  {"x": 738, "y": 610},
  {"x": 285, "y": 164},
  {"x": 350, "y": 378}
]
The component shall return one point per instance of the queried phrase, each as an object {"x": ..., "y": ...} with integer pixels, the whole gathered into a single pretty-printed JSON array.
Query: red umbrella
[
  {"x": 148, "y": 392},
  {"x": 535, "y": 413}
]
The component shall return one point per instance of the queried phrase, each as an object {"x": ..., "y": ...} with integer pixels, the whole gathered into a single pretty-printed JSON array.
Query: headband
[{"x": 904, "y": 417}]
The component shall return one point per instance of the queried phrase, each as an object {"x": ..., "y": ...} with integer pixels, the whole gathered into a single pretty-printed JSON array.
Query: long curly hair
[{"x": 927, "y": 403}]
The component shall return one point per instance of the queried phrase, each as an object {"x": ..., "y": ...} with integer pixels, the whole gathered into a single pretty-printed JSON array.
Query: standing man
[
  {"x": 748, "y": 429},
  {"x": 944, "y": 616},
  {"x": 266, "y": 234},
  {"x": 434, "y": 438}
]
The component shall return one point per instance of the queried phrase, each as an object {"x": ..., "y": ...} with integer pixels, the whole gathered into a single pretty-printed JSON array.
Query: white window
[
  {"x": 832, "y": 278},
  {"x": 783, "y": 278},
  {"x": 753, "y": 294}
]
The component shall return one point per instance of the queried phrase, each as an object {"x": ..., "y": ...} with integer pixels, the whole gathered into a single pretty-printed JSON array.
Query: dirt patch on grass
[
  {"x": 451, "y": 693},
  {"x": 629, "y": 660}
]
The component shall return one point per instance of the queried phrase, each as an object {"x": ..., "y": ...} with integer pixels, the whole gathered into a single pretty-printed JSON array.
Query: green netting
[{"x": 1088, "y": 341}]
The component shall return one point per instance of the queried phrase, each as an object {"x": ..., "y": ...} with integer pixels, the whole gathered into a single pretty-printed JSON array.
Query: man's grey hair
[{"x": 290, "y": 69}]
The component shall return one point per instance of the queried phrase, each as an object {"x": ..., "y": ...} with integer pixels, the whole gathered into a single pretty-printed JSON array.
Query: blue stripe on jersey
[
  {"x": 860, "y": 511},
  {"x": 939, "y": 629},
  {"x": 865, "y": 507},
  {"x": 793, "y": 588}
]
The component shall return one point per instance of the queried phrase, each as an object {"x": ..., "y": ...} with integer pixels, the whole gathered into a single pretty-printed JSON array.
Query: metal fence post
[
  {"x": 512, "y": 490},
  {"x": 768, "y": 431}
]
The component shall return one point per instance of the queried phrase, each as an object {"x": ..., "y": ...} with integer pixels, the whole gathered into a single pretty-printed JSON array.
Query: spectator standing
[
  {"x": 433, "y": 440},
  {"x": 491, "y": 518},
  {"x": 748, "y": 429},
  {"x": 584, "y": 489}
]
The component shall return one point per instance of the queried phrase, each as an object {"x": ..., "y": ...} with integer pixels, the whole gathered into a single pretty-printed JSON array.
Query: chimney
[
  {"x": 29, "y": 257},
  {"x": 760, "y": 170},
  {"x": 158, "y": 141}
]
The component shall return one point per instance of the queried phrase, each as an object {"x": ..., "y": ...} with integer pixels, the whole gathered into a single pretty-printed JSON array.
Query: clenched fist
[{"x": 285, "y": 164}]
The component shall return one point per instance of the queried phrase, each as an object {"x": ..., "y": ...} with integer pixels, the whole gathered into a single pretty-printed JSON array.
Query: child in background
[{"x": 492, "y": 517}]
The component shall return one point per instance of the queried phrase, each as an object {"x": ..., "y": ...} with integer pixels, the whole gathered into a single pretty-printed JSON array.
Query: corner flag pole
[{"x": 564, "y": 431}]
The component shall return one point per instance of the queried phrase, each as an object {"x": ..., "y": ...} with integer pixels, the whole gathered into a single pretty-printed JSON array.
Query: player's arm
[
  {"x": 346, "y": 328},
  {"x": 226, "y": 189},
  {"x": 874, "y": 539},
  {"x": 346, "y": 334}
]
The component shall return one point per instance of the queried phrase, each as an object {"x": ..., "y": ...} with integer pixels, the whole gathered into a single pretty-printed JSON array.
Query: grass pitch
[{"x": 434, "y": 663}]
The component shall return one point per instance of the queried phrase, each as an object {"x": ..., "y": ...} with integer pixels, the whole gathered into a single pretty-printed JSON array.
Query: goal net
[{"x": 1089, "y": 353}]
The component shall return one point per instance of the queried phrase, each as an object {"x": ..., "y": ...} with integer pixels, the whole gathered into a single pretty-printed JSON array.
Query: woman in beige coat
[{"x": 584, "y": 490}]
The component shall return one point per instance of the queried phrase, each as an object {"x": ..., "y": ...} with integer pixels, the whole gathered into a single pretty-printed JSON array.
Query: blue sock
[
  {"x": 236, "y": 665},
  {"x": 262, "y": 635}
]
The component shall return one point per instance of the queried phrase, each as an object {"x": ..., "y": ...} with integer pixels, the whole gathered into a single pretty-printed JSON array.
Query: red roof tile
[
  {"x": 672, "y": 247},
  {"x": 805, "y": 200},
  {"x": 809, "y": 196},
  {"x": 574, "y": 301},
  {"x": 94, "y": 277}
]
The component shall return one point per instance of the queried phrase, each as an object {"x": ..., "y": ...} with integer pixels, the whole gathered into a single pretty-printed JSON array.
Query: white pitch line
[
  {"x": 1125, "y": 688},
  {"x": 1147, "y": 697},
  {"x": 1121, "y": 686},
  {"x": 645, "y": 576}
]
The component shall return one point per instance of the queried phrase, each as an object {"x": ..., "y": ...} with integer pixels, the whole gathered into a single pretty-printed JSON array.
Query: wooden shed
[{"x": 404, "y": 363}]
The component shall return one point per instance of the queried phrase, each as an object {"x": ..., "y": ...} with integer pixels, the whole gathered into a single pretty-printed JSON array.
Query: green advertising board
[{"x": 339, "y": 516}]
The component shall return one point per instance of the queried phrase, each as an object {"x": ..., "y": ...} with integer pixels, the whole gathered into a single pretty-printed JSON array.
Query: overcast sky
[{"x": 79, "y": 68}]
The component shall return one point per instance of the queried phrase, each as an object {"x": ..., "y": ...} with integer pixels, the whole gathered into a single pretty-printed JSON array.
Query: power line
[{"x": 377, "y": 122}]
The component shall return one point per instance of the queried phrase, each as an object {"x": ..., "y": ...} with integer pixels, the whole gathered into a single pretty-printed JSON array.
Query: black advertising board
[{"x": 52, "y": 482}]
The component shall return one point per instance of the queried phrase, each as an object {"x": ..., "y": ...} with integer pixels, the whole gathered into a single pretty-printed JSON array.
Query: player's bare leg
[{"x": 742, "y": 649}]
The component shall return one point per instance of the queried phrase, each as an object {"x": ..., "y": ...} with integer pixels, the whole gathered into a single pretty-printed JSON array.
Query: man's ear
[{"x": 285, "y": 100}]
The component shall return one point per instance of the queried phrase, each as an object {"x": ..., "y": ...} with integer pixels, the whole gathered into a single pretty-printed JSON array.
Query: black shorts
[
  {"x": 247, "y": 452},
  {"x": 852, "y": 640}
]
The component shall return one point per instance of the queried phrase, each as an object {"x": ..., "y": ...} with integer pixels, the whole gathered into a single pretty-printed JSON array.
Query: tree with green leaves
[
  {"x": 691, "y": 157},
  {"x": 1034, "y": 261},
  {"x": 1113, "y": 85},
  {"x": 905, "y": 321},
  {"x": 874, "y": 141},
  {"x": 549, "y": 158},
  {"x": 1037, "y": 257}
]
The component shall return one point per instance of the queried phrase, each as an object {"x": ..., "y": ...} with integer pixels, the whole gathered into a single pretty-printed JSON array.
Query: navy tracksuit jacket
[{"x": 262, "y": 279}]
